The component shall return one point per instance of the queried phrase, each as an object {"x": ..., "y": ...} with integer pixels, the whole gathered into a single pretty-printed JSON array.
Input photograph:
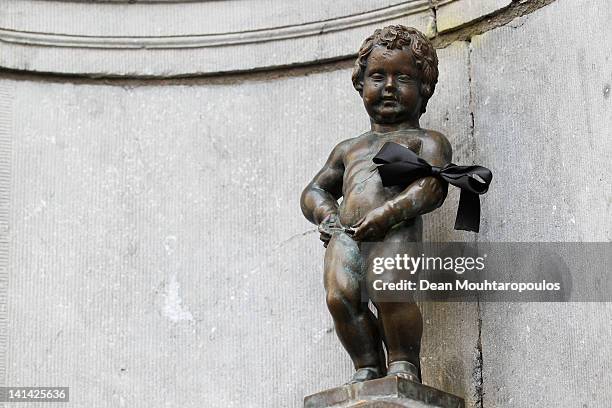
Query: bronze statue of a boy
[{"x": 395, "y": 73}]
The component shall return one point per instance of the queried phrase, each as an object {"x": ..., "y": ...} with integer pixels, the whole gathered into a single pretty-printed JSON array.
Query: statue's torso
[{"x": 362, "y": 186}]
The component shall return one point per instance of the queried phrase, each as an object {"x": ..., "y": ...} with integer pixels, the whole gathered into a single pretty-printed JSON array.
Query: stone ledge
[{"x": 191, "y": 38}]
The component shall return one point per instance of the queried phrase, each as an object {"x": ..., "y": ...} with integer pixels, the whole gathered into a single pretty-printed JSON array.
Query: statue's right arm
[{"x": 320, "y": 197}]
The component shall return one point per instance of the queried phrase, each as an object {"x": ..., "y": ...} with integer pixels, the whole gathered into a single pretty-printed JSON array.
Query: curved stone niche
[{"x": 183, "y": 38}]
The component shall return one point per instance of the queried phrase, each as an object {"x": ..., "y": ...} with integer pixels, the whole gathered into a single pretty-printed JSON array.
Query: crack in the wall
[
  {"x": 477, "y": 373},
  {"x": 434, "y": 17},
  {"x": 477, "y": 370},
  {"x": 471, "y": 103}
]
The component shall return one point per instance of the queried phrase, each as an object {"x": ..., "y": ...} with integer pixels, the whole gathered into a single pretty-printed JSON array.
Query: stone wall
[{"x": 152, "y": 249}]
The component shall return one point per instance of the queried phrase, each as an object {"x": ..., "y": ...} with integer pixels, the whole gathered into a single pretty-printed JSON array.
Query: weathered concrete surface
[
  {"x": 6, "y": 135},
  {"x": 158, "y": 255},
  {"x": 543, "y": 121},
  {"x": 454, "y": 14}
]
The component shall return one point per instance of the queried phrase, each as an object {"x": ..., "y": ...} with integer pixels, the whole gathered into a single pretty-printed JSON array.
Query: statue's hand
[
  {"x": 372, "y": 227},
  {"x": 330, "y": 219}
]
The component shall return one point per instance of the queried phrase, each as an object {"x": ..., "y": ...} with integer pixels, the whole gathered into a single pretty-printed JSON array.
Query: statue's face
[{"x": 391, "y": 86}]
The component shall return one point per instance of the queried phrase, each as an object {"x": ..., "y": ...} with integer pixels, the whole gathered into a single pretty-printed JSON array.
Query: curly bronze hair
[{"x": 401, "y": 37}]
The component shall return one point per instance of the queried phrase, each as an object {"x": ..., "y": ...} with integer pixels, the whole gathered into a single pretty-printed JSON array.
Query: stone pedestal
[{"x": 391, "y": 392}]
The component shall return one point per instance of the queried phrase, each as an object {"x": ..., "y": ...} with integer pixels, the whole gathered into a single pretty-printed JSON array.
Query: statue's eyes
[
  {"x": 404, "y": 78},
  {"x": 377, "y": 77}
]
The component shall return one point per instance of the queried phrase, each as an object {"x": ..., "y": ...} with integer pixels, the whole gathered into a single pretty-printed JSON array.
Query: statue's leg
[
  {"x": 354, "y": 323},
  {"x": 400, "y": 318}
]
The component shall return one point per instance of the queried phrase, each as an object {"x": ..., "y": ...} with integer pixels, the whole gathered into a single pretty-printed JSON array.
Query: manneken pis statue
[{"x": 395, "y": 73}]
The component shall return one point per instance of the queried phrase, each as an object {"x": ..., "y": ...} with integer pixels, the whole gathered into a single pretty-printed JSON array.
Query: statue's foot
[
  {"x": 404, "y": 369},
  {"x": 365, "y": 374}
]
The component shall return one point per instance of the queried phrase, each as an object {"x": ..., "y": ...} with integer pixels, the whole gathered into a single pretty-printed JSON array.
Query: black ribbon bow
[{"x": 399, "y": 165}]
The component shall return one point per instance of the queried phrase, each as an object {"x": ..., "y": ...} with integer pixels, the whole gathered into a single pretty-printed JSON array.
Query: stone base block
[{"x": 389, "y": 392}]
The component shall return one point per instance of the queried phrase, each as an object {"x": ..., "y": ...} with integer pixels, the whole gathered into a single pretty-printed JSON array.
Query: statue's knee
[{"x": 339, "y": 304}]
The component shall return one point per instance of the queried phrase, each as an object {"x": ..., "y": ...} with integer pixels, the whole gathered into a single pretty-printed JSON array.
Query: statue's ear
[
  {"x": 359, "y": 87},
  {"x": 424, "y": 106}
]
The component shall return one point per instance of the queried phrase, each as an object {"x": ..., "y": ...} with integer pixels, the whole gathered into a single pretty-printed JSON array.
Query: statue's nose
[{"x": 389, "y": 84}]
